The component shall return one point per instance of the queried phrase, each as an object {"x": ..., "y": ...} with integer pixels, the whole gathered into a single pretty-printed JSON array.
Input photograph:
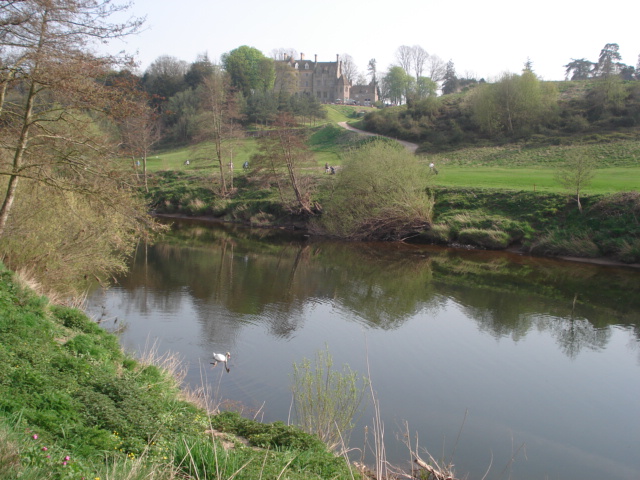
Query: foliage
[
  {"x": 249, "y": 69},
  {"x": 379, "y": 194},
  {"x": 515, "y": 105},
  {"x": 63, "y": 237},
  {"x": 64, "y": 188},
  {"x": 327, "y": 402}
]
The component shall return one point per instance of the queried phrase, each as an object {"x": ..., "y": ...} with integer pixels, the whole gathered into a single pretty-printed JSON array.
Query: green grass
[
  {"x": 345, "y": 113},
  {"x": 201, "y": 157},
  {"x": 606, "y": 180}
]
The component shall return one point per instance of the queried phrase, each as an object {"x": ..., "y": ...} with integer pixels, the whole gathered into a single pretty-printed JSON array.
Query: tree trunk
[{"x": 10, "y": 195}]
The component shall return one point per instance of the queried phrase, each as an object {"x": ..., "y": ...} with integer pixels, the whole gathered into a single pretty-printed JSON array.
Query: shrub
[
  {"x": 326, "y": 402},
  {"x": 629, "y": 251},
  {"x": 379, "y": 195}
]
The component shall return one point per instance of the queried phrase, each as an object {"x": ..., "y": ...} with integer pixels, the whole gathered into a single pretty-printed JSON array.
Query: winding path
[{"x": 412, "y": 147}]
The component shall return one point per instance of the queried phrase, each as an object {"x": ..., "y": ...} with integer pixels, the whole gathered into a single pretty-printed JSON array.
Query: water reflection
[
  {"x": 538, "y": 351},
  {"x": 382, "y": 285}
]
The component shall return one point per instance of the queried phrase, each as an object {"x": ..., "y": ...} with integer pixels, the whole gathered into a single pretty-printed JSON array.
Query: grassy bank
[
  {"x": 538, "y": 222},
  {"x": 73, "y": 405}
]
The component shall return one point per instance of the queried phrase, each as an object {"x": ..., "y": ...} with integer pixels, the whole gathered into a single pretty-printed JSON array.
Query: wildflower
[
  {"x": 67, "y": 458},
  {"x": 34, "y": 436},
  {"x": 64, "y": 464},
  {"x": 44, "y": 449}
]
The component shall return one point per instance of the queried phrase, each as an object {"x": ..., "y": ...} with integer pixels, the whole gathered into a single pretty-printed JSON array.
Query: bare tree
[
  {"x": 218, "y": 122},
  {"x": 281, "y": 154},
  {"x": 404, "y": 56},
  {"x": 281, "y": 54},
  {"x": 436, "y": 68},
  {"x": 140, "y": 132},
  {"x": 50, "y": 86},
  {"x": 420, "y": 57},
  {"x": 349, "y": 67}
]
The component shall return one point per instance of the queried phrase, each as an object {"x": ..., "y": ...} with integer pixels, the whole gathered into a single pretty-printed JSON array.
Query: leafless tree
[
  {"x": 49, "y": 86},
  {"x": 404, "y": 56},
  {"x": 140, "y": 132},
  {"x": 420, "y": 57},
  {"x": 284, "y": 53},
  {"x": 218, "y": 122},
  {"x": 349, "y": 68},
  {"x": 281, "y": 154},
  {"x": 436, "y": 68}
]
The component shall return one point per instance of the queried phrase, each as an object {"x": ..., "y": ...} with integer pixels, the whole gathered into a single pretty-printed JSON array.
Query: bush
[
  {"x": 380, "y": 194},
  {"x": 326, "y": 402}
]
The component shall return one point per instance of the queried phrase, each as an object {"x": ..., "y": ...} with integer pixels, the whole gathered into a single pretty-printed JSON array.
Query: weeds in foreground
[{"x": 327, "y": 403}]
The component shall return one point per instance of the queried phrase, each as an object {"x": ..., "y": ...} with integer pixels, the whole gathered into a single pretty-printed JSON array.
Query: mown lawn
[{"x": 606, "y": 180}]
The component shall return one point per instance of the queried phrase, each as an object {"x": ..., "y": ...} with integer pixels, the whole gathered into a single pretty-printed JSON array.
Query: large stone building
[{"x": 323, "y": 80}]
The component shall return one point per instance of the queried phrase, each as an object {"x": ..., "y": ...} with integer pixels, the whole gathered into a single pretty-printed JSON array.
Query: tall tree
[
  {"x": 199, "y": 70},
  {"x": 425, "y": 88},
  {"x": 180, "y": 115},
  {"x": 249, "y": 69},
  {"x": 516, "y": 104},
  {"x": 404, "y": 57},
  {"x": 436, "y": 68},
  {"x": 218, "y": 121},
  {"x": 164, "y": 78},
  {"x": 282, "y": 54},
  {"x": 450, "y": 82},
  {"x": 349, "y": 68},
  {"x": 140, "y": 132},
  {"x": 419, "y": 60},
  {"x": 396, "y": 83},
  {"x": 609, "y": 60},
  {"x": 579, "y": 69},
  {"x": 372, "y": 70},
  {"x": 47, "y": 129}
]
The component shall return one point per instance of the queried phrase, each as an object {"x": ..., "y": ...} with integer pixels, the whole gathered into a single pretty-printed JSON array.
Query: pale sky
[{"x": 483, "y": 38}]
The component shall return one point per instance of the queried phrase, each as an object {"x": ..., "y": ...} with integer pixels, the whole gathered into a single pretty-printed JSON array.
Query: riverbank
[{"x": 536, "y": 223}]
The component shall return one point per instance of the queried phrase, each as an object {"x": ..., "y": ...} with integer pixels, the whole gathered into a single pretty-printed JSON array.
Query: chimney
[
  {"x": 301, "y": 56},
  {"x": 337, "y": 57},
  {"x": 316, "y": 58}
]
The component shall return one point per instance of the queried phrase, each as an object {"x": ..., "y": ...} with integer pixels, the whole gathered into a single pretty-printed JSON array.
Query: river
[{"x": 522, "y": 367}]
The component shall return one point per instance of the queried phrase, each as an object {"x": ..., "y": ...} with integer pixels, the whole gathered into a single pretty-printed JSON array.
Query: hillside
[{"x": 535, "y": 113}]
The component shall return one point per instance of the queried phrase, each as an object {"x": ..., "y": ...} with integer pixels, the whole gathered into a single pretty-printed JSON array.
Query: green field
[
  {"x": 470, "y": 168},
  {"x": 606, "y": 180}
]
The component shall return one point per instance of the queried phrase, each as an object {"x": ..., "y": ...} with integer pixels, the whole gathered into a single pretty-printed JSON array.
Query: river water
[{"x": 525, "y": 368}]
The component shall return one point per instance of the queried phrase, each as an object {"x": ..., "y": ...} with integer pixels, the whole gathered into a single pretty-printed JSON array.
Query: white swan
[{"x": 219, "y": 357}]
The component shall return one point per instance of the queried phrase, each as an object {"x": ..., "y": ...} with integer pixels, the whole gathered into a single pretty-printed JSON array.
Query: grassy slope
[{"x": 72, "y": 405}]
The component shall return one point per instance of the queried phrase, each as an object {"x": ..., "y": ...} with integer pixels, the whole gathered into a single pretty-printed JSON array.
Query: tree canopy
[{"x": 249, "y": 69}]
